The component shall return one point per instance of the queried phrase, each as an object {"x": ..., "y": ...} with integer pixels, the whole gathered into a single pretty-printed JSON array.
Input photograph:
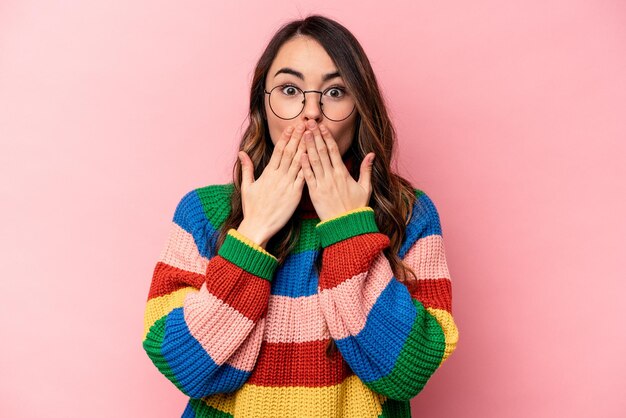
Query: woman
[{"x": 288, "y": 292}]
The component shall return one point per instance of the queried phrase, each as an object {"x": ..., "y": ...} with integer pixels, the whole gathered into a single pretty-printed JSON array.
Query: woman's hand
[
  {"x": 332, "y": 189},
  {"x": 269, "y": 201}
]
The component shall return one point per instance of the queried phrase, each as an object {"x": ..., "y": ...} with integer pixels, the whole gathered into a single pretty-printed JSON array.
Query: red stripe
[
  {"x": 244, "y": 291},
  {"x": 299, "y": 364},
  {"x": 167, "y": 279},
  {"x": 434, "y": 293},
  {"x": 345, "y": 259}
]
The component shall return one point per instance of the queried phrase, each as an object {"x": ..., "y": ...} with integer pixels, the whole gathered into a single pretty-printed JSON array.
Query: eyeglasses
[{"x": 287, "y": 102}]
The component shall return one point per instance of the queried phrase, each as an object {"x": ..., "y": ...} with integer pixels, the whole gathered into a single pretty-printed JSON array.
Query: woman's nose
[{"x": 312, "y": 107}]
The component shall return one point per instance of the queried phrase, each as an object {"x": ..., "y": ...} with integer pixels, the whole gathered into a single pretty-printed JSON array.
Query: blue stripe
[
  {"x": 390, "y": 321},
  {"x": 190, "y": 216},
  {"x": 192, "y": 366},
  {"x": 296, "y": 276},
  {"x": 188, "y": 412},
  {"x": 424, "y": 222}
]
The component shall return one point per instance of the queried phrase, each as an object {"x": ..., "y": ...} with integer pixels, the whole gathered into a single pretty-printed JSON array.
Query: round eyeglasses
[{"x": 287, "y": 102}]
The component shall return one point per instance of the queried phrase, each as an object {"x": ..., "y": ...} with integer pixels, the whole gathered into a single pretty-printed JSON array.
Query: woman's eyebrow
[{"x": 287, "y": 70}]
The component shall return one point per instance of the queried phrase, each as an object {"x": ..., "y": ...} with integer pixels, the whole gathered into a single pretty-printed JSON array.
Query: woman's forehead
[{"x": 303, "y": 58}]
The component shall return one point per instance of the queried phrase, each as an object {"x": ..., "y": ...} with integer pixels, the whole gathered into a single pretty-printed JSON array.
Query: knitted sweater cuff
[
  {"x": 348, "y": 224},
  {"x": 248, "y": 255}
]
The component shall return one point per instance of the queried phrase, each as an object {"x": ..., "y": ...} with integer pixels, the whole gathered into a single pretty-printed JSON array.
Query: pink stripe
[
  {"x": 428, "y": 258},
  {"x": 181, "y": 251},
  {"x": 245, "y": 357},
  {"x": 347, "y": 305},
  {"x": 295, "y": 320},
  {"x": 217, "y": 326}
]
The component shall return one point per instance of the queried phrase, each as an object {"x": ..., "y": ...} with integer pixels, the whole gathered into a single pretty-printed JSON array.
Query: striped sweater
[{"x": 245, "y": 336}]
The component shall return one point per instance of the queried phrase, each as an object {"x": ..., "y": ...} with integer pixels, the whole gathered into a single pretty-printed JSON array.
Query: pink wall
[{"x": 511, "y": 116}]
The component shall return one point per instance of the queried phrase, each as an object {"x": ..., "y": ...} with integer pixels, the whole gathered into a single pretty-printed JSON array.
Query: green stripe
[
  {"x": 396, "y": 409},
  {"x": 422, "y": 351},
  {"x": 215, "y": 200},
  {"x": 248, "y": 258},
  {"x": 347, "y": 226},
  {"x": 308, "y": 240},
  {"x": 152, "y": 345}
]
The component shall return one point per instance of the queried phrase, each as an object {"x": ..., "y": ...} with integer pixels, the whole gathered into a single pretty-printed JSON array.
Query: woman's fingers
[
  {"x": 322, "y": 151},
  {"x": 296, "y": 165},
  {"x": 279, "y": 148},
  {"x": 247, "y": 168},
  {"x": 300, "y": 177},
  {"x": 307, "y": 172},
  {"x": 313, "y": 161},
  {"x": 333, "y": 148},
  {"x": 365, "y": 176}
]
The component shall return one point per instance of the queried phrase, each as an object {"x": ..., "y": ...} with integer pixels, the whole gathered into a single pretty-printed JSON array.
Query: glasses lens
[
  {"x": 288, "y": 101},
  {"x": 337, "y": 104}
]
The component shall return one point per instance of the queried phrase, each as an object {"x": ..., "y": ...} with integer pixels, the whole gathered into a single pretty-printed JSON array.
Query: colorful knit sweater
[{"x": 245, "y": 336}]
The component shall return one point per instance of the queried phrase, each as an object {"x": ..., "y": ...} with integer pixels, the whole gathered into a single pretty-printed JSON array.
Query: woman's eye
[
  {"x": 289, "y": 90},
  {"x": 336, "y": 92}
]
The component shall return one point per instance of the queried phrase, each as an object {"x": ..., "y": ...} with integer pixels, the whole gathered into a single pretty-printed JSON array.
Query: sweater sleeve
[
  {"x": 205, "y": 312},
  {"x": 392, "y": 339}
]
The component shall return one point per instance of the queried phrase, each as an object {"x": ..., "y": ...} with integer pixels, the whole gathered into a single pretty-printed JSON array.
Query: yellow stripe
[
  {"x": 162, "y": 305},
  {"x": 356, "y": 400},
  {"x": 449, "y": 328}
]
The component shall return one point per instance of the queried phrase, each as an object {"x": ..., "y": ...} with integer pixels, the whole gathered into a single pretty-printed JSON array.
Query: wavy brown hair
[{"x": 392, "y": 196}]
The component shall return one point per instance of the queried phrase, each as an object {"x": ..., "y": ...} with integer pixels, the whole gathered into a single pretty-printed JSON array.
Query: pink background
[{"x": 511, "y": 116}]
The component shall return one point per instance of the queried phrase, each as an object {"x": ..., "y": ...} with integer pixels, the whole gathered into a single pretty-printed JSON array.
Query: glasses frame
[{"x": 304, "y": 92}]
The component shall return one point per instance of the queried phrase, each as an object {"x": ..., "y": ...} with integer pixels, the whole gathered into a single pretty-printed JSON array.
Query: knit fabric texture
[{"x": 244, "y": 336}]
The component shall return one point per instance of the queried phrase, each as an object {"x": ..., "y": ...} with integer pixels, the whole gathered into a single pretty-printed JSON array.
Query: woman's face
[{"x": 306, "y": 56}]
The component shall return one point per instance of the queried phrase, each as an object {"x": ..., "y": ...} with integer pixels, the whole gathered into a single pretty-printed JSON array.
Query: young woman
[{"x": 315, "y": 284}]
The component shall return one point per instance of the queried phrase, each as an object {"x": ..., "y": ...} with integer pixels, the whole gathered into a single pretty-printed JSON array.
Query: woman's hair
[{"x": 392, "y": 196}]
